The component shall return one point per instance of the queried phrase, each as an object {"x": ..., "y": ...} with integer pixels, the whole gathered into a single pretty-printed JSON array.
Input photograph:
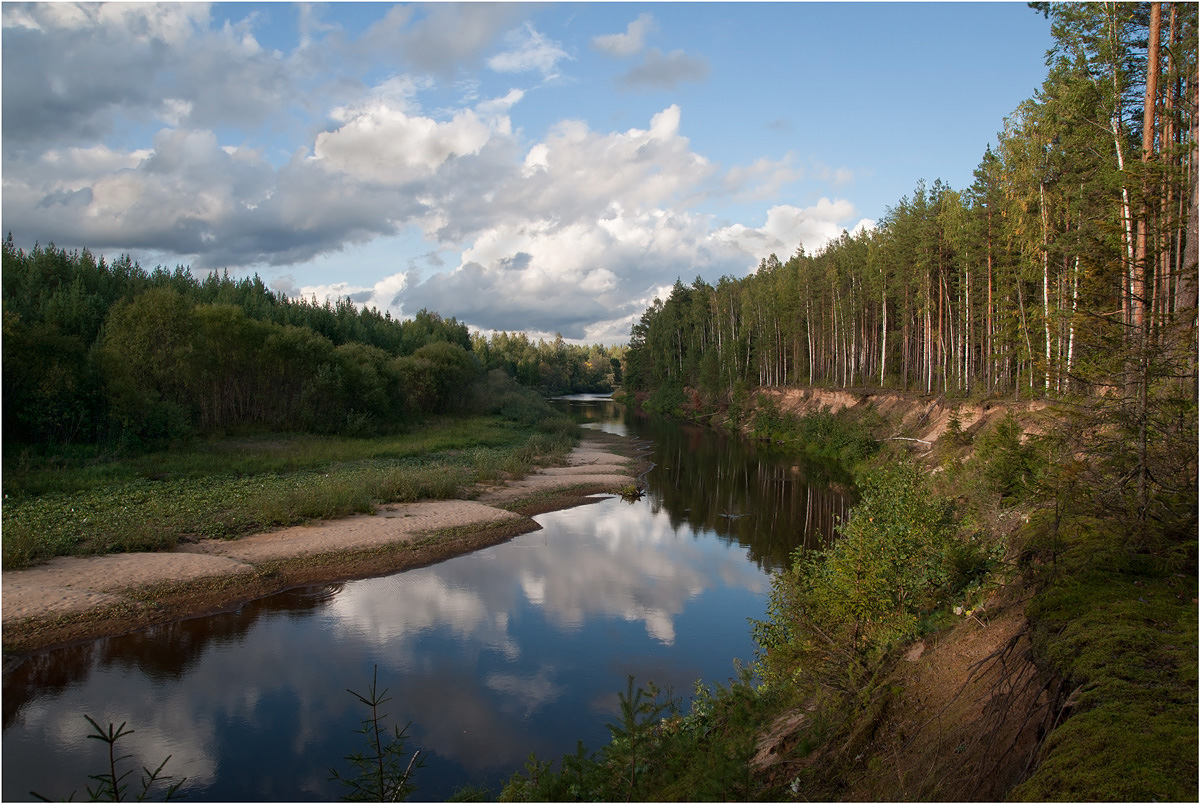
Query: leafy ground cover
[
  {"x": 1120, "y": 627},
  {"x": 65, "y": 505}
]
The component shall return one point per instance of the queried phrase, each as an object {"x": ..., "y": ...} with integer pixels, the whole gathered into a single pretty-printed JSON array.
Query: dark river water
[{"x": 519, "y": 648}]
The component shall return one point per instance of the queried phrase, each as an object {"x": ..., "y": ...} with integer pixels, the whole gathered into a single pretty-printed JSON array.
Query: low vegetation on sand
[{"x": 79, "y": 502}]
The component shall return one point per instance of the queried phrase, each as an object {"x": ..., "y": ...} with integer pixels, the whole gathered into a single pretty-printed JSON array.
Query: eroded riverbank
[{"x": 73, "y": 599}]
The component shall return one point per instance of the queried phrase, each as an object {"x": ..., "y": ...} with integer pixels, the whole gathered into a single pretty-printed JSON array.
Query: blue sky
[{"x": 538, "y": 167}]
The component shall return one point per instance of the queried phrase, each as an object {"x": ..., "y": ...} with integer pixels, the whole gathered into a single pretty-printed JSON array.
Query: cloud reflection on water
[
  {"x": 517, "y": 648},
  {"x": 609, "y": 559}
]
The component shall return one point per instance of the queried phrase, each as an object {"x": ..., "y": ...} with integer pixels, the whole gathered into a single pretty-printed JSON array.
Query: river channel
[{"x": 517, "y": 649}]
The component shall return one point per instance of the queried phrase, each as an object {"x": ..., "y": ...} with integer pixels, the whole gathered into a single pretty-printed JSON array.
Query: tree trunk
[
  {"x": 1141, "y": 257},
  {"x": 1045, "y": 278},
  {"x": 883, "y": 340}
]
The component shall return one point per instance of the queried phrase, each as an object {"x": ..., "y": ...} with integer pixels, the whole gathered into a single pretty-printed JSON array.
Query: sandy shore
[{"x": 69, "y": 599}]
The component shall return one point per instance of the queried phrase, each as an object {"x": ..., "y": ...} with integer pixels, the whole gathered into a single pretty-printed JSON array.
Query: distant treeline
[{"x": 98, "y": 351}]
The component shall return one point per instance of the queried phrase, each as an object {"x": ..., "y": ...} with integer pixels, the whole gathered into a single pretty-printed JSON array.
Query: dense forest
[
  {"x": 107, "y": 352},
  {"x": 1069, "y": 263},
  {"x": 1067, "y": 270}
]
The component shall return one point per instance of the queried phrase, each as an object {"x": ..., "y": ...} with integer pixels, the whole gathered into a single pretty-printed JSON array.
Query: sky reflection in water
[{"x": 519, "y": 648}]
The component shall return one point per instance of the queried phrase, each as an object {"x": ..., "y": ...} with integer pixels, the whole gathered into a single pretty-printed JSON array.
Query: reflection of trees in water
[
  {"x": 163, "y": 652},
  {"x": 167, "y": 651},
  {"x": 45, "y": 675},
  {"x": 748, "y": 493},
  {"x": 743, "y": 491}
]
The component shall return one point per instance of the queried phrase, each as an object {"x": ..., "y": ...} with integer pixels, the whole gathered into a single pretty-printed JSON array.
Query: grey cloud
[
  {"x": 65, "y": 83},
  {"x": 69, "y": 88},
  {"x": 493, "y": 300},
  {"x": 448, "y": 37},
  {"x": 664, "y": 71},
  {"x": 192, "y": 199},
  {"x": 311, "y": 212},
  {"x": 226, "y": 86},
  {"x": 285, "y": 284},
  {"x": 626, "y": 44}
]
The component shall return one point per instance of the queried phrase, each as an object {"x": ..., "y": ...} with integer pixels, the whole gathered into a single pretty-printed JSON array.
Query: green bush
[
  {"x": 657, "y": 752},
  {"x": 954, "y": 433},
  {"x": 866, "y": 590},
  {"x": 669, "y": 399},
  {"x": 846, "y": 436},
  {"x": 1007, "y": 466}
]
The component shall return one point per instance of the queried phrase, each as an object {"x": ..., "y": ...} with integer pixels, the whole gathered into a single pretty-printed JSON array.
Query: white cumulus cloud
[
  {"x": 385, "y": 144},
  {"x": 788, "y": 227}
]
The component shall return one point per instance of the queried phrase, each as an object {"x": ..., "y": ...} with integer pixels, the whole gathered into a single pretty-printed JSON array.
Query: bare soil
[
  {"x": 969, "y": 713},
  {"x": 960, "y": 716},
  {"x": 72, "y": 599},
  {"x": 924, "y": 419}
]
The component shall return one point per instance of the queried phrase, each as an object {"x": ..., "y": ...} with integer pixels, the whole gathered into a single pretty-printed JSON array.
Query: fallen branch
[{"x": 898, "y": 438}]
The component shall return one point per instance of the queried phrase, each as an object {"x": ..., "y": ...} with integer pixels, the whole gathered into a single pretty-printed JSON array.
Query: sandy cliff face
[{"x": 922, "y": 417}]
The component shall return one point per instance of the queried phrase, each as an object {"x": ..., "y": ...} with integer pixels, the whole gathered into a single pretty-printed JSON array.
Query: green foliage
[
  {"x": 969, "y": 563},
  {"x": 108, "y": 353},
  {"x": 1119, "y": 626},
  {"x": 50, "y": 381},
  {"x": 846, "y": 436},
  {"x": 669, "y": 399},
  {"x": 113, "y": 784},
  {"x": 700, "y": 755},
  {"x": 1007, "y": 466},
  {"x": 144, "y": 355},
  {"x": 379, "y": 773},
  {"x": 893, "y": 562},
  {"x": 954, "y": 432},
  {"x": 631, "y": 493},
  {"x": 552, "y": 367},
  {"x": 640, "y": 712}
]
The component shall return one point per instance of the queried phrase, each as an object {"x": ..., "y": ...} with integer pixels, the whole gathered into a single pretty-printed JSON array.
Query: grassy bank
[
  {"x": 76, "y": 503},
  {"x": 1094, "y": 697},
  {"x": 1119, "y": 626}
]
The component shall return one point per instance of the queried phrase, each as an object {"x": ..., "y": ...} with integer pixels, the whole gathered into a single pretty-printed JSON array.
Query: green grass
[
  {"x": 1120, "y": 626},
  {"x": 28, "y": 473},
  {"x": 226, "y": 488}
]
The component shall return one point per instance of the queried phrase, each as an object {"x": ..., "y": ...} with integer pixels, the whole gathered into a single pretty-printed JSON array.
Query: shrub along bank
[{"x": 940, "y": 535}]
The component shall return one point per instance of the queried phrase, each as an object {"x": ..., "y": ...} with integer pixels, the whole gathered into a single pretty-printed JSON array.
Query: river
[{"x": 517, "y": 649}]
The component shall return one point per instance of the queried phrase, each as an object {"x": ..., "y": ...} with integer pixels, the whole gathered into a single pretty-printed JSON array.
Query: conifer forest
[{"x": 1067, "y": 270}]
